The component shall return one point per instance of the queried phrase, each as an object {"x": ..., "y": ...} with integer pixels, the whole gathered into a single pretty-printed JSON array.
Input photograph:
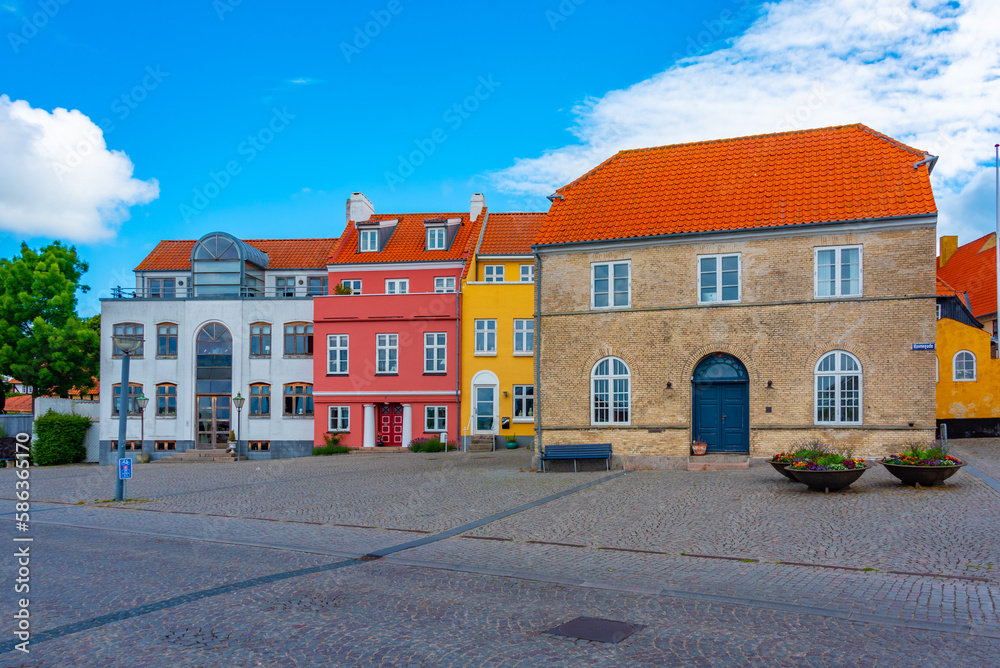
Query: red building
[{"x": 388, "y": 355}]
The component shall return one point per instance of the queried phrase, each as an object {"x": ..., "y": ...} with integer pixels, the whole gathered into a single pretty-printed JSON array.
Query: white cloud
[
  {"x": 922, "y": 71},
  {"x": 58, "y": 178},
  {"x": 305, "y": 81}
]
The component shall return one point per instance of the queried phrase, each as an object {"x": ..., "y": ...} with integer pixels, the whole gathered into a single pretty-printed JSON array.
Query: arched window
[
  {"x": 214, "y": 360},
  {"x": 127, "y": 329},
  {"x": 166, "y": 400},
  {"x": 965, "y": 365},
  {"x": 611, "y": 395},
  {"x": 134, "y": 392},
  {"x": 838, "y": 389}
]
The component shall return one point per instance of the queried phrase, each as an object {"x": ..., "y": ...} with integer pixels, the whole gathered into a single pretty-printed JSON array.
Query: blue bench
[{"x": 575, "y": 452}]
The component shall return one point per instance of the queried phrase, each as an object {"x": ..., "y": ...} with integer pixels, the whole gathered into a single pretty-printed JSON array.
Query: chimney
[
  {"x": 478, "y": 203},
  {"x": 359, "y": 208},
  {"x": 948, "y": 247}
]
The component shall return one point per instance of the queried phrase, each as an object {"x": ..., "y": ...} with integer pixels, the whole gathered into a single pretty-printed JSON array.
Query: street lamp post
[
  {"x": 238, "y": 402},
  {"x": 127, "y": 345},
  {"x": 141, "y": 402}
]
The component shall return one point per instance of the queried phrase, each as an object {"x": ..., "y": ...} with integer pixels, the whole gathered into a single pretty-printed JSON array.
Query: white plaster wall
[{"x": 190, "y": 315}]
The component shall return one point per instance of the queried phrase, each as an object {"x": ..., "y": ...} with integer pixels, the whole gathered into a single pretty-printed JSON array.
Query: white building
[{"x": 219, "y": 317}]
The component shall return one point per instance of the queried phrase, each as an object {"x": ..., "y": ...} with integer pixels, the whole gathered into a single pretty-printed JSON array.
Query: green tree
[{"x": 43, "y": 342}]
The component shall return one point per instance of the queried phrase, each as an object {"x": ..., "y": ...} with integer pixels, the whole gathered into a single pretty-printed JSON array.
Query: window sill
[
  {"x": 298, "y": 417},
  {"x": 837, "y": 425},
  {"x": 610, "y": 424},
  {"x": 484, "y": 355},
  {"x": 964, "y": 380},
  {"x": 259, "y": 417},
  {"x": 166, "y": 357},
  {"x": 829, "y": 298},
  {"x": 435, "y": 373},
  {"x": 165, "y": 417},
  {"x": 721, "y": 302},
  {"x": 131, "y": 357},
  {"x": 388, "y": 373},
  {"x": 260, "y": 357},
  {"x": 343, "y": 375},
  {"x": 297, "y": 357},
  {"x": 529, "y": 353},
  {"x": 527, "y": 420},
  {"x": 623, "y": 307}
]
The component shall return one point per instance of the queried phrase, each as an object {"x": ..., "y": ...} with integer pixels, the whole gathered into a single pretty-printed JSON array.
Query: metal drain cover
[{"x": 596, "y": 630}]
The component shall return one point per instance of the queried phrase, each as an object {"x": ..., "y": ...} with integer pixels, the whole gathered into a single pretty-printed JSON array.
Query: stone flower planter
[
  {"x": 925, "y": 476},
  {"x": 829, "y": 481}
]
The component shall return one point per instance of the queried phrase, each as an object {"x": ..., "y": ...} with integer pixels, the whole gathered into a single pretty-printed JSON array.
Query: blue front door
[{"x": 721, "y": 416}]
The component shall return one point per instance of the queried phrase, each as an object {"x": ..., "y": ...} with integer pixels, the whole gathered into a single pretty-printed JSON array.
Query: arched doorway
[
  {"x": 214, "y": 385},
  {"x": 721, "y": 404}
]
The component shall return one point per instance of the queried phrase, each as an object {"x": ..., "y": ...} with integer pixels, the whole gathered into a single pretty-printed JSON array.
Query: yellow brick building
[
  {"x": 968, "y": 378},
  {"x": 498, "y": 333}
]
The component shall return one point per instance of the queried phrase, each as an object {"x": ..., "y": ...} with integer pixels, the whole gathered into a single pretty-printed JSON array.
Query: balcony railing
[{"x": 119, "y": 292}]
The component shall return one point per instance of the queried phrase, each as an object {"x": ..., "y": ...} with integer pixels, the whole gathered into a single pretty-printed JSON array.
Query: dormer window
[
  {"x": 436, "y": 238},
  {"x": 369, "y": 240}
]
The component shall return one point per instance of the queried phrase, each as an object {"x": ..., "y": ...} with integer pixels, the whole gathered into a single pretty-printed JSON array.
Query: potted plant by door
[
  {"x": 698, "y": 447},
  {"x": 232, "y": 442},
  {"x": 922, "y": 464},
  {"x": 511, "y": 441}
]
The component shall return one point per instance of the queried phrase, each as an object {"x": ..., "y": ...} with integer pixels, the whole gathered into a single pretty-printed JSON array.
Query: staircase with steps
[
  {"x": 199, "y": 456},
  {"x": 481, "y": 444},
  {"x": 718, "y": 462}
]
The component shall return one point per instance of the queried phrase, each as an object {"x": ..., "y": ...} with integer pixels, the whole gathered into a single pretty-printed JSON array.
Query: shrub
[
  {"x": 432, "y": 444},
  {"x": 331, "y": 450},
  {"x": 60, "y": 439}
]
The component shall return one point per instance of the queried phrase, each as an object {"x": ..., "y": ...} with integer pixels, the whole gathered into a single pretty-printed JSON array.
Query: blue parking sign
[{"x": 125, "y": 468}]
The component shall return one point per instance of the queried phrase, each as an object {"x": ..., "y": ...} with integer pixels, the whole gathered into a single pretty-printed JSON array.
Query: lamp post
[
  {"x": 238, "y": 402},
  {"x": 141, "y": 402},
  {"x": 127, "y": 345}
]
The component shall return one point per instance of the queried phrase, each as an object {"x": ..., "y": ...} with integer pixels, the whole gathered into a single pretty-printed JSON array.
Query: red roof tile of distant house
[
  {"x": 510, "y": 233},
  {"x": 19, "y": 404},
  {"x": 407, "y": 243},
  {"x": 945, "y": 290},
  {"x": 835, "y": 174},
  {"x": 281, "y": 253},
  {"x": 973, "y": 270}
]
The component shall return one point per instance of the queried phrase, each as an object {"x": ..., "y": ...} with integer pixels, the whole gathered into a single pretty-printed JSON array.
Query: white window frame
[
  {"x": 390, "y": 346},
  {"x": 527, "y": 273},
  {"x": 520, "y": 394},
  {"x": 342, "y": 422},
  {"x": 838, "y": 265},
  {"x": 718, "y": 278},
  {"x": 397, "y": 286},
  {"x": 337, "y": 343},
  {"x": 610, "y": 377},
  {"x": 611, "y": 291},
  {"x": 521, "y": 332},
  {"x": 493, "y": 273},
  {"x": 437, "y": 418},
  {"x": 354, "y": 284},
  {"x": 937, "y": 369},
  {"x": 437, "y": 238},
  {"x": 444, "y": 284},
  {"x": 487, "y": 331},
  {"x": 954, "y": 367},
  {"x": 432, "y": 342},
  {"x": 939, "y": 311},
  {"x": 284, "y": 288},
  {"x": 838, "y": 374},
  {"x": 368, "y": 240}
]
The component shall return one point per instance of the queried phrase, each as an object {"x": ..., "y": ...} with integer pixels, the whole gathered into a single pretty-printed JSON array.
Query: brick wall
[{"x": 780, "y": 342}]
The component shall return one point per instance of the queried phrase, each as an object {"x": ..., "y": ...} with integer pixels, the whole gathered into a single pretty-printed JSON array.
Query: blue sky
[{"x": 303, "y": 110}]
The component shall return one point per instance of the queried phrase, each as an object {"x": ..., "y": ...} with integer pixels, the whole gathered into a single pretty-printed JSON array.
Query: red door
[{"x": 391, "y": 424}]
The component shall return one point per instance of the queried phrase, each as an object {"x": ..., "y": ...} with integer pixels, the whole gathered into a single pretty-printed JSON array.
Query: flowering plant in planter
[
  {"x": 923, "y": 454},
  {"x": 829, "y": 461}
]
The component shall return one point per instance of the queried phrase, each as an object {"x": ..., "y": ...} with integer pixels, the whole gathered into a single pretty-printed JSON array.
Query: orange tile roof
[
  {"x": 945, "y": 290},
  {"x": 973, "y": 269},
  {"x": 282, "y": 254},
  {"x": 832, "y": 174},
  {"x": 19, "y": 404},
  {"x": 510, "y": 233},
  {"x": 406, "y": 244}
]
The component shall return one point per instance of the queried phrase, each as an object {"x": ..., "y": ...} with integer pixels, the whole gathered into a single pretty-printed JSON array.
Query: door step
[
  {"x": 481, "y": 444},
  {"x": 194, "y": 456},
  {"x": 718, "y": 462}
]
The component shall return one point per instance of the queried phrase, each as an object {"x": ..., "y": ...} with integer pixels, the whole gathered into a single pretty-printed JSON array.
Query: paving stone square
[{"x": 264, "y": 563}]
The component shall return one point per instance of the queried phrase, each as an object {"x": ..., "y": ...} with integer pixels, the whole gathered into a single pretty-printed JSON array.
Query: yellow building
[
  {"x": 968, "y": 378},
  {"x": 498, "y": 334}
]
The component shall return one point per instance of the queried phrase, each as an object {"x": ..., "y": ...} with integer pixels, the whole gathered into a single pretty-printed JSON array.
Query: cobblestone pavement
[{"x": 254, "y": 564}]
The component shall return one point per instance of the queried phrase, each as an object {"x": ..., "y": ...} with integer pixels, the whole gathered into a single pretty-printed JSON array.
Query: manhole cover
[{"x": 596, "y": 630}]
